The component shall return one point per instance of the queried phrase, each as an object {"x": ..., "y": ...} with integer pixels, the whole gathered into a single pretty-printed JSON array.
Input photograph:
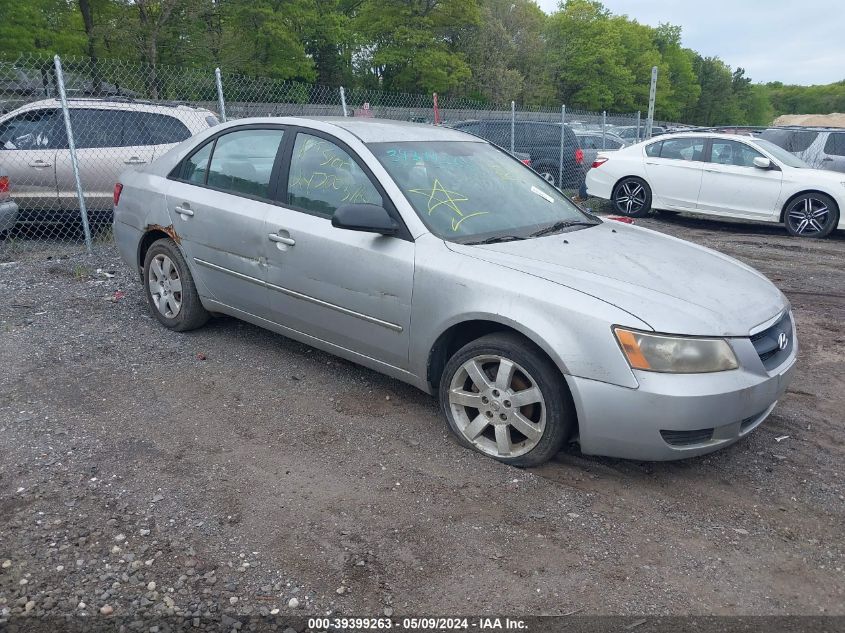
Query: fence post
[
  {"x": 343, "y": 100},
  {"x": 513, "y": 125},
  {"x": 562, "y": 142},
  {"x": 649, "y": 122},
  {"x": 638, "y": 125},
  {"x": 604, "y": 129},
  {"x": 221, "y": 104},
  {"x": 83, "y": 211}
]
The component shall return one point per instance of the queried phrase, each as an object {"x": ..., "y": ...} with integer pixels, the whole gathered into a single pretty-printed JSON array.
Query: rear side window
[
  {"x": 791, "y": 140},
  {"x": 94, "y": 128},
  {"x": 682, "y": 148},
  {"x": 162, "y": 129},
  {"x": 324, "y": 177},
  {"x": 835, "y": 145},
  {"x": 653, "y": 149},
  {"x": 242, "y": 162}
]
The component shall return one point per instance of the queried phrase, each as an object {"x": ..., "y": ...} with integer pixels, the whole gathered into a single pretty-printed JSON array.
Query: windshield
[
  {"x": 468, "y": 191},
  {"x": 790, "y": 160}
]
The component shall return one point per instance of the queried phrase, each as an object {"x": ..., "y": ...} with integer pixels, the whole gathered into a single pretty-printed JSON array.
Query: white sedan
[{"x": 723, "y": 175}]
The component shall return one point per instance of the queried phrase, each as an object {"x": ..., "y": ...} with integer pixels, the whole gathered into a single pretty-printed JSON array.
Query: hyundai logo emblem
[{"x": 782, "y": 340}]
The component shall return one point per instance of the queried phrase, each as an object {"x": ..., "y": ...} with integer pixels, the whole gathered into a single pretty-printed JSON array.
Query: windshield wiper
[
  {"x": 498, "y": 238},
  {"x": 559, "y": 226}
]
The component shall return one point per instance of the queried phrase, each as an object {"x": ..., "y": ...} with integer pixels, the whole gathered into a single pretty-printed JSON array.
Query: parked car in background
[
  {"x": 109, "y": 136},
  {"x": 8, "y": 207},
  {"x": 822, "y": 148},
  {"x": 594, "y": 142},
  {"x": 431, "y": 256},
  {"x": 541, "y": 141},
  {"x": 633, "y": 133},
  {"x": 721, "y": 175}
]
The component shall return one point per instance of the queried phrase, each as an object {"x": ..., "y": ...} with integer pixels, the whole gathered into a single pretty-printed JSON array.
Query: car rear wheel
[
  {"x": 503, "y": 397},
  {"x": 631, "y": 197},
  {"x": 811, "y": 215},
  {"x": 170, "y": 288}
]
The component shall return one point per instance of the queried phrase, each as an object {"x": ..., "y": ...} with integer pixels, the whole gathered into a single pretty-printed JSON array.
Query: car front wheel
[
  {"x": 811, "y": 215},
  {"x": 170, "y": 290},
  {"x": 632, "y": 197},
  {"x": 503, "y": 397}
]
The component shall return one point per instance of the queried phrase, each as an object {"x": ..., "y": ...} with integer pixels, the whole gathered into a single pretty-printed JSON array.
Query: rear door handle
[
  {"x": 827, "y": 159},
  {"x": 712, "y": 171},
  {"x": 183, "y": 209},
  {"x": 40, "y": 164},
  {"x": 275, "y": 237},
  {"x": 135, "y": 161}
]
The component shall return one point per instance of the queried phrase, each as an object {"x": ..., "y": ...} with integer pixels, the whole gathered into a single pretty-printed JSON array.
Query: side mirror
[
  {"x": 369, "y": 218},
  {"x": 762, "y": 162}
]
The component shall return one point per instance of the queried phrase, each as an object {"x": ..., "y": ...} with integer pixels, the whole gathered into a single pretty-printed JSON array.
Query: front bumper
[
  {"x": 8, "y": 215},
  {"x": 673, "y": 416}
]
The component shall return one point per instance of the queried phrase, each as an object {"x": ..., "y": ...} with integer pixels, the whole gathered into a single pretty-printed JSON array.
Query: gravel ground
[{"x": 231, "y": 471}]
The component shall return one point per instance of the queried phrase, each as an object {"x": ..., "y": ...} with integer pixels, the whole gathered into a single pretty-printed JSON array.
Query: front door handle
[
  {"x": 40, "y": 164},
  {"x": 712, "y": 171},
  {"x": 828, "y": 159},
  {"x": 134, "y": 161},
  {"x": 183, "y": 210},
  {"x": 275, "y": 237}
]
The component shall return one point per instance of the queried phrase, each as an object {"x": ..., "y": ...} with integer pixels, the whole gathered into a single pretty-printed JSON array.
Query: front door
[
  {"x": 675, "y": 172},
  {"x": 732, "y": 185},
  {"x": 349, "y": 288},
  {"x": 29, "y": 143},
  {"x": 218, "y": 207}
]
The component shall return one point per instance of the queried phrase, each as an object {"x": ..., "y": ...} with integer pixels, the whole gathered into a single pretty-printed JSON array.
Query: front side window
[
  {"x": 324, "y": 177},
  {"x": 682, "y": 148},
  {"x": 470, "y": 191},
  {"x": 36, "y": 129},
  {"x": 734, "y": 153},
  {"x": 242, "y": 161}
]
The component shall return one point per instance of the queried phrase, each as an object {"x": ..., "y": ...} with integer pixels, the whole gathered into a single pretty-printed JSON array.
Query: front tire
[
  {"x": 503, "y": 397},
  {"x": 631, "y": 197},
  {"x": 170, "y": 289},
  {"x": 811, "y": 215}
]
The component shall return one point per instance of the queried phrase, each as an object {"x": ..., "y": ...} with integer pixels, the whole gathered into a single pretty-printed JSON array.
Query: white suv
[{"x": 110, "y": 136}]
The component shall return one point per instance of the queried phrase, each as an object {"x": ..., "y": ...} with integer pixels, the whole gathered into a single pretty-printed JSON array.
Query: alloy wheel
[
  {"x": 165, "y": 286},
  {"x": 497, "y": 406},
  {"x": 630, "y": 197},
  {"x": 808, "y": 216}
]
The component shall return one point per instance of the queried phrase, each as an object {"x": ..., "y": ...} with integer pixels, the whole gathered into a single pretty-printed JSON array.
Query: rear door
[
  {"x": 732, "y": 185},
  {"x": 218, "y": 203},
  {"x": 675, "y": 174},
  {"x": 29, "y": 142},
  {"x": 834, "y": 150}
]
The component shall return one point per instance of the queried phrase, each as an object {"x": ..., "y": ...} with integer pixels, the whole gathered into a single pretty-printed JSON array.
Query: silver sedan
[{"x": 432, "y": 256}]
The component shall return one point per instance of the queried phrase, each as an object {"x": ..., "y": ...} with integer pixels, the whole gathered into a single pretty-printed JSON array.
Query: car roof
[
  {"x": 370, "y": 130},
  {"x": 738, "y": 137},
  {"x": 91, "y": 102}
]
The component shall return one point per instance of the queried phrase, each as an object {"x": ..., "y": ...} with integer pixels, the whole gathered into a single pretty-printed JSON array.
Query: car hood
[{"x": 674, "y": 286}]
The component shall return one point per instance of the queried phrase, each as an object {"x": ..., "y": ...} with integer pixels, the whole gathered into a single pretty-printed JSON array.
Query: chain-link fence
[{"x": 69, "y": 127}]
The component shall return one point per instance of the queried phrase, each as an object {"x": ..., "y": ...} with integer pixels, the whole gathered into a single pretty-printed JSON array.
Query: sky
[{"x": 793, "y": 41}]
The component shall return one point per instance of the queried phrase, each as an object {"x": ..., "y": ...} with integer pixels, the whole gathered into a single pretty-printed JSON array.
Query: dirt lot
[{"x": 233, "y": 471}]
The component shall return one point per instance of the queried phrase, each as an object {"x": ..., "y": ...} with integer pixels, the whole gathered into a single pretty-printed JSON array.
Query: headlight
[{"x": 673, "y": 354}]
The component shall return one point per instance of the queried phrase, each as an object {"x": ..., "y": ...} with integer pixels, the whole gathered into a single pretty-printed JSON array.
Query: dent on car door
[
  {"x": 732, "y": 185},
  {"x": 349, "y": 288},
  {"x": 217, "y": 203},
  {"x": 675, "y": 172},
  {"x": 29, "y": 142}
]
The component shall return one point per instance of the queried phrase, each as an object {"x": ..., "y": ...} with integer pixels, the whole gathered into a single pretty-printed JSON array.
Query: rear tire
[
  {"x": 631, "y": 197},
  {"x": 811, "y": 215},
  {"x": 170, "y": 289},
  {"x": 503, "y": 397}
]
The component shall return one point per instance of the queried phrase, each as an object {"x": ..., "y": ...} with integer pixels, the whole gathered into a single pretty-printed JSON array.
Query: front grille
[
  {"x": 686, "y": 438},
  {"x": 767, "y": 342}
]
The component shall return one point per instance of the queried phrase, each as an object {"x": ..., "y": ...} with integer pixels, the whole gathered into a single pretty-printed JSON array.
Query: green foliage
[{"x": 491, "y": 51}]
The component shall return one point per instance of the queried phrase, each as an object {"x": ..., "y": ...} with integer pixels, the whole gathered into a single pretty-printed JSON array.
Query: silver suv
[
  {"x": 110, "y": 136},
  {"x": 822, "y": 148}
]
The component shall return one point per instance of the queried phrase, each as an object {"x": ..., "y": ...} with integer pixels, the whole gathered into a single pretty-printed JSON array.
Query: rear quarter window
[{"x": 653, "y": 149}]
